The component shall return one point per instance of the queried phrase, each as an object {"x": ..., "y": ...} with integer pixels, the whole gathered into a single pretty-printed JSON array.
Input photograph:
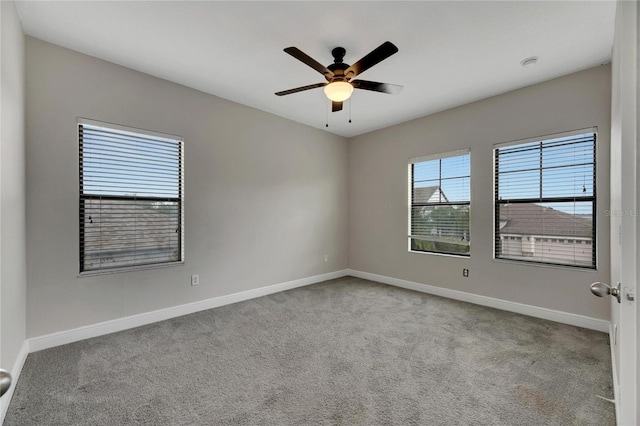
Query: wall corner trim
[
  {"x": 94, "y": 330},
  {"x": 15, "y": 375},
  {"x": 505, "y": 305}
]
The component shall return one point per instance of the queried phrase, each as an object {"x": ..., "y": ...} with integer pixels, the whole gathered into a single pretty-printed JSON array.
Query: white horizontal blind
[
  {"x": 131, "y": 198},
  {"x": 545, "y": 200},
  {"x": 439, "y": 192}
]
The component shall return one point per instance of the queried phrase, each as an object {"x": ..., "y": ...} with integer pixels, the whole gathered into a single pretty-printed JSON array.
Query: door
[{"x": 624, "y": 213}]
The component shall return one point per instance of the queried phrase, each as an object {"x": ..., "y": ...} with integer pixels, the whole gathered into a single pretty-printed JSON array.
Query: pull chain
[
  {"x": 329, "y": 106},
  {"x": 327, "y": 112}
]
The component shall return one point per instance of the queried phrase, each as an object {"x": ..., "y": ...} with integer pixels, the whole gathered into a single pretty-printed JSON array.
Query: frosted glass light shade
[{"x": 338, "y": 91}]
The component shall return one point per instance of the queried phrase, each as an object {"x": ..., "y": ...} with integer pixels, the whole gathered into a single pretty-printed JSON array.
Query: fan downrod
[{"x": 338, "y": 67}]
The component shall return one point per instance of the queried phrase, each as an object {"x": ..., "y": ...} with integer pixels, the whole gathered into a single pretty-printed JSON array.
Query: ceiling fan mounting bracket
[{"x": 338, "y": 54}]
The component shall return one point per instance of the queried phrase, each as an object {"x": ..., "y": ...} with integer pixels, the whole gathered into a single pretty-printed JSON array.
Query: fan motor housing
[{"x": 338, "y": 72}]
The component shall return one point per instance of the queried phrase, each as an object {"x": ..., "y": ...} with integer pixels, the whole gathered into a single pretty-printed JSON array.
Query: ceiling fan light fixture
[{"x": 338, "y": 91}]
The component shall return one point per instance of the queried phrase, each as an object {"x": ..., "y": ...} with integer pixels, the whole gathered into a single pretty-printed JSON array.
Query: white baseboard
[
  {"x": 15, "y": 375},
  {"x": 505, "y": 305},
  {"x": 69, "y": 336}
]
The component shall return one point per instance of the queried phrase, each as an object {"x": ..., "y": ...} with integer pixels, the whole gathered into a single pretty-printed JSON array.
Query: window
[
  {"x": 131, "y": 197},
  {"x": 545, "y": 190},
  {"x": 439, "y": 199}
]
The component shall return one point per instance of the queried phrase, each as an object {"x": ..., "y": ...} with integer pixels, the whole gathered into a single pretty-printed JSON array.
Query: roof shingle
[{"x": 534, "y": 219}]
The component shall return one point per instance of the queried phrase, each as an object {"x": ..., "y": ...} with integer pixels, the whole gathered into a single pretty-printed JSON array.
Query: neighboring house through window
[
  {"x": 439, "y": 199},
  {"x": 545, "y": 200},
  {"x": 131, "y": 198}
]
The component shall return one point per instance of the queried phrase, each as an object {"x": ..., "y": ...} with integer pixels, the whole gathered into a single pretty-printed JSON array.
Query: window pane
[
  {"x": 457, "y": 189},
  {"x": 426, "y": 171},
  {"x": 442, "y": 229},
  {"x": 567, "y": 181},
  {"x": 117, "y": 163},
  {"x": 558, "y": 233},
  {"x": 519, "y": 157},
  {"x": 130, "y": 199},
  {"x": 545, "y": 211},
  {"x": 427, "y": 192},
  {"x": 420, "y": 221},
  {"x": 564, "y": 153},
  {"x": 514, "y": 185},
  {"x": 440, "y": 205},
  {"x": 121, "y": 233},
  {"x": 457, "y": 166},
  {"x": 444, "y": 247}
]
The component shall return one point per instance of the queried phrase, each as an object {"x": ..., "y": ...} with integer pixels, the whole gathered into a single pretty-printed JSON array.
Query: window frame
[
  {"x": 83, "y": 197},
  {"x": 593, "y": 199},
  {"x": 411, "y": 205}
]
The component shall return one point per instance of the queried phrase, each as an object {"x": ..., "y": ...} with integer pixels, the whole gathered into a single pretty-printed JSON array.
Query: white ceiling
[{"x": 450, "y": 52}]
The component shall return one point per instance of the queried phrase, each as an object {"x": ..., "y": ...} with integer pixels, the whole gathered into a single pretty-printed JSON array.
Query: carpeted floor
[{"x": 343, "y": 352}]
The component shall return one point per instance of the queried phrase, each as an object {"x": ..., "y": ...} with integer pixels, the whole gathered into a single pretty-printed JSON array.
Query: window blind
[
  {"x": 545, "y": 200},
  {"x": 439, "y": 192},
  {"x": 131, "y": 198}
]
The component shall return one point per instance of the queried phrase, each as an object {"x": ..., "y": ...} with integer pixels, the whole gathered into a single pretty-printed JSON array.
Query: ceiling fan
[{"x": 339, "y": 76}]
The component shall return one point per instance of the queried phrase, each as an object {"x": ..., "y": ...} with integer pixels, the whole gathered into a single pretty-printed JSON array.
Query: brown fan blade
[
  {"x": 392, "y": 89},
  {"x": 336, "y": 106},
  {"x": 377, "y": 55},
  {"x": 303, "y": 57},
  {"x": 300, "y": 89}
]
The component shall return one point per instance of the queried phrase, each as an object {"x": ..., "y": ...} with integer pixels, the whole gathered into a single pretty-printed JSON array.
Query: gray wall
[
  {"x": 265, "y": 197},
  {"x": 378, "y": 192},
  {"x": 13, "y": 285}
]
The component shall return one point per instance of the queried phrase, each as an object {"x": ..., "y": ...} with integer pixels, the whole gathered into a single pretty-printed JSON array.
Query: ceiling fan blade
[
  {"x": 336, "y": 106},
  {"x": 301, "y": 56},
  {"x": 300, "y": 89},
  {"x": 377, "y": 55},
  {"x": 392, "y": 89}
]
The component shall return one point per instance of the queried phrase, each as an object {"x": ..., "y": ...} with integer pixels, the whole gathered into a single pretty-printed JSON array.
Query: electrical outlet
[
  {"x": 195, "y": 279},
  {"x": 326, "y": 258},
  {"x": 465, "y": 272}
]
